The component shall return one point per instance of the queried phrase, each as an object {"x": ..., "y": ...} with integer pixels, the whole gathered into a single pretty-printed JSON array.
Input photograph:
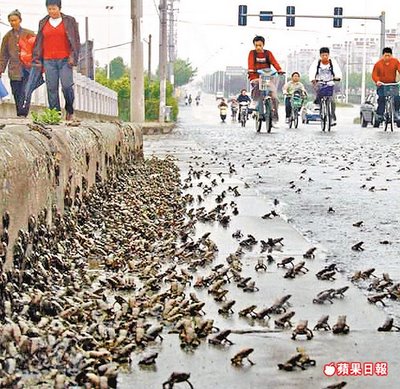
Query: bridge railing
[{"x": 90, "y": 96}]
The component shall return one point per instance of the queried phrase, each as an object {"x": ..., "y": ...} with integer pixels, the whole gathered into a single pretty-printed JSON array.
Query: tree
[
  {"x": 122, "y": 86},
  {"x": 183, "y": 72},
  {"x": 117, "y": 68}
]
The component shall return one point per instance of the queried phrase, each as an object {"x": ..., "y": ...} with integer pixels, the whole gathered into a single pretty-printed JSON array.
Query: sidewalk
[{"x": 210, "y": 366}]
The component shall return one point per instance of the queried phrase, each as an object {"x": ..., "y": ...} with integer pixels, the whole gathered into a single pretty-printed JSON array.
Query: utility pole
[
  {"x": 109, "y": 8},
  {"x": 163, "y": 58},
  {"x": 383, "y": 31},
  {"x": 87, "y": 47},
  {"x": 171, "y": 41},
  {"x": 137, "y": 79},
  {"x": 149, "y": 63}
]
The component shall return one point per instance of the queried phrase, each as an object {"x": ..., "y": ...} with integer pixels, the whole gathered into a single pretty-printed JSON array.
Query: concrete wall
[{"x": 39, "y": 170}]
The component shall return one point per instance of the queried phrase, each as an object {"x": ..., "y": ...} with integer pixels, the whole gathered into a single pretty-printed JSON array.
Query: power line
[
  {"x": 111, "y": 47},
  {"x": 156, "y": 7}
]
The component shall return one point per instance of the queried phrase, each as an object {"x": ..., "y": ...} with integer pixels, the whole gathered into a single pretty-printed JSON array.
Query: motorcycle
[
  {"x": 244, "y": 112},
  {"x": 222, "y": 112}
]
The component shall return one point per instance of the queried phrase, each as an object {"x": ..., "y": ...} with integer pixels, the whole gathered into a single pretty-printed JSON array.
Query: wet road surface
[{"x": 355, "y": 172}]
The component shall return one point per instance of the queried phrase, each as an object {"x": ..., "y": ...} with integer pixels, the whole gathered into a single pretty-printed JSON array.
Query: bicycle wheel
[
  {"x": 322, "y": 113},
  {"x": 291, "y": 119},
  {"x": 268, "y": 115},
  {"x": 392, "y": 111},
  {"x": 387, "y": 116},
  {"x": 296, "y": 117},
  {"x": 328, "y": 113},
  {"x": 243, "y": 120},
  {"x": 257, "y": 121}
]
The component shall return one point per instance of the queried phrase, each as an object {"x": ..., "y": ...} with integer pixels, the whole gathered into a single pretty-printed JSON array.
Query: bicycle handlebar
[
  {"x": 390, "y": 83},
  {"x": 267, "y": 72}
]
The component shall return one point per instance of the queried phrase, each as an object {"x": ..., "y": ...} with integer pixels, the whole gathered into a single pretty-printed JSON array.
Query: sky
[{"x": 208, "y": 34}]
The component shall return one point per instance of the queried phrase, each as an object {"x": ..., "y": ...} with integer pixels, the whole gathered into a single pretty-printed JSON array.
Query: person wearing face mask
[
  {"x": 10, "y": 51},
  {"x": 57, "y": 48}
]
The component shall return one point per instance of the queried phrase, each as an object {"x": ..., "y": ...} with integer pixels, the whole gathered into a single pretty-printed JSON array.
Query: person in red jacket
[
  {"x": 260, "y": 59},
  {"x": 384, "y": 72},
  {"x": 57, "y": 48}
]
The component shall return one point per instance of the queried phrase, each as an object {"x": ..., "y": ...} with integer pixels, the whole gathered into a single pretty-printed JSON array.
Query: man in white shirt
[{"x": 327, "y": 70}]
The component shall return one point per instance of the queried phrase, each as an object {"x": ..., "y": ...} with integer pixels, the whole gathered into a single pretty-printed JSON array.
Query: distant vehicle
[
  {"x": 368, "y": 110},
  {"x": 310, "y": 113},
  {"x": 219, "y": 96},
  {"x": 340, "y": 98}
]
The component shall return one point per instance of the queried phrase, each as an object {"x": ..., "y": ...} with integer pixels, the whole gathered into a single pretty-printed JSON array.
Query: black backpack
[
  {"x": 266, "y": 55},
  {"x": 330, "y": 68}
]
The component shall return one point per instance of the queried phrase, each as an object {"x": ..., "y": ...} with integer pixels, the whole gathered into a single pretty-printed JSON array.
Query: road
[{"x": 301, "y": 174}]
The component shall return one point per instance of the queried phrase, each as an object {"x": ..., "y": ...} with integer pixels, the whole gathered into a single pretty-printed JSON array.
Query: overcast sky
[{"x": 208, "y": 34}]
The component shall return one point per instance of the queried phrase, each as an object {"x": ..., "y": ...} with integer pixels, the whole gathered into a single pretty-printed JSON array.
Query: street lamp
[{"x": 109, "y": 8}]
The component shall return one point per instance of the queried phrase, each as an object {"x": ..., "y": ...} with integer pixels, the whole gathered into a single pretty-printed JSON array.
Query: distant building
[{"x": 300, "y": 61}]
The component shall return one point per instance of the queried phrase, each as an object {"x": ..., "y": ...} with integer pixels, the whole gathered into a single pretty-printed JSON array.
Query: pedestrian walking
[
  {"x": 16, "y": 54},
  {"x": 57, "y": 48}
]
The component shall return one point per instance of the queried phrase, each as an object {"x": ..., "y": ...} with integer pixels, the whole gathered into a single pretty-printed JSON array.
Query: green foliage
[
  {"x": 122, "y": 86},
  {"x": 355, "y": 81},
  {"x": 117, "y": 68},
  {"x": 183, "y": 72},
  {"x": 152, "y": 100},
  {"x": 48, "y": 116}
]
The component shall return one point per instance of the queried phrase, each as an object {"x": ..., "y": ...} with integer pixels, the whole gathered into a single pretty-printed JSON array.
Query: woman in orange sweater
[{"x": 384, "y": 72}]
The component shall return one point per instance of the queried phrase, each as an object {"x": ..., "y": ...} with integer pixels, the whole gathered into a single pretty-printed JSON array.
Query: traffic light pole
[{"x": 381, "y": 18}]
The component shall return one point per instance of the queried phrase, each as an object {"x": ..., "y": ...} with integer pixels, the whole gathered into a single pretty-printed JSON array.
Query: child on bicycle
[
  {"x": 260, "y": 59},
  {"x": 291, "y": 87},
  {"x": 384, "y": 72},
  {"x": 325, "y": 69}
]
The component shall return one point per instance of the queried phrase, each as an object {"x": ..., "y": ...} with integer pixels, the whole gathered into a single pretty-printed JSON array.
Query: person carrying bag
[{"x": 16, "y": 54}]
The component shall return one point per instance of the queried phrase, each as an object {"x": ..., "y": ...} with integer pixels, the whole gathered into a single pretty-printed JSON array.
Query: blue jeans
[
  {"x": 18, "y": 91},
  {"x": 381, "y": 99},
  {"x": 57, "y": 70}
]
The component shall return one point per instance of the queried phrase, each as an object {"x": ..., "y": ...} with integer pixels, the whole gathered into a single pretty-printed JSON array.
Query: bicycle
[
  {"x": 325, "y": 93},
  {"x": 390, "y": 90},
  {"x": 234, "y": 111},
  {"x": 263, "y": 111},
  {"x": 244, "y": 112},
  {"x": 296, "y": 102}
]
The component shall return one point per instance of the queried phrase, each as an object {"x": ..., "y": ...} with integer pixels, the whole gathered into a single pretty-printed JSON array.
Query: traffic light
[
  {"x": 337, "y": 21},
  {"x": 266, "y": 16},
  {"x": 290, "y": 16},
  {"x": 242, "y": 15}
]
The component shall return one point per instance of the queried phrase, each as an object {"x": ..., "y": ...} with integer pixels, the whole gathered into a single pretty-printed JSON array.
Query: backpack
[
  {"x": 26, "y": 44},
  {"x": 330, "y": 68},
  {"x": 266, "y": 55}
]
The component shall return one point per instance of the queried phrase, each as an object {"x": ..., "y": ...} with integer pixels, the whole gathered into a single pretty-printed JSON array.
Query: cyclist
[
  {"x": 223, "y": 108},
  {"x": 325, "y": 69},
  {"x": 385, "y": 71},
  {"x": 243, "y": 98},
  {"x": 261, "y": 59},
  {"x": 291, "y": 87},
  {"x": 234, "y": 108}
]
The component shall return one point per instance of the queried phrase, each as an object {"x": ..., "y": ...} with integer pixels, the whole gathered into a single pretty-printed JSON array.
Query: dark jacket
[
  {"x": 72, "y": 30},
  {"x": 243, "y": 99},
  {"x": 9, "y": 53}
]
